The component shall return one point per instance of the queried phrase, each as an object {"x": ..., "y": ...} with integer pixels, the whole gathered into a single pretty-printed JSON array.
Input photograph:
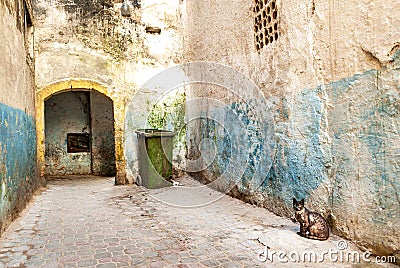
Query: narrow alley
[
  {"x": 186, "y": 133},
  {"x": 88, "y": 222}
]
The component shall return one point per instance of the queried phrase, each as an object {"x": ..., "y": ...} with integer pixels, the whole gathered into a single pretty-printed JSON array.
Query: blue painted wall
[
  {"x": 17, "y": 161},
  {"x": 337, "y": 146}
]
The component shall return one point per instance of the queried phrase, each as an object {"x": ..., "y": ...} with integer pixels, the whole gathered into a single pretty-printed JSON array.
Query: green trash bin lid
[{"x": 151, "y": 132}]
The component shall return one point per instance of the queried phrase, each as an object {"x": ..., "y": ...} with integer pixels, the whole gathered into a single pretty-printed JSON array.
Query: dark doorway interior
[{"x": 79, "y": 134}]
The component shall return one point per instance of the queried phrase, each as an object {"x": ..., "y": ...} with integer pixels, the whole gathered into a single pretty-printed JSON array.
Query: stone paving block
[
  {"x": 117, "y": 253},
  {"x": 103, "y": 255},
  {"x": 70, "y": 265},
  {"x": 121, "y": 258},
  {"x": 210, "y": 263},
  {"x": 84, "y": 252},
  {"x": 106, "y": 265},
  {"x": 150, "y": 254},
  {"x": 52, "y": 264},
  {"x": 99, "y": 246},
  {"x": 188, "y": 260},
  {"x": 86, "y": 263},
  {"x": 69, "y": 258},
  {"x": 34, "y": 263},
  {"x": 137, "y": 261},
  {"x": 51, "y": 255},
  {"x": 198, "y": 252},
  {"x": 159, "y": 264},
  {"x": 231, "y": 265},
  {"x": 104, "y": 260}
]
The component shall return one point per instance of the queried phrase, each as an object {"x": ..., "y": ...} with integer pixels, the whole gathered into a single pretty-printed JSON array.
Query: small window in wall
[
  {"x": 78, "y": 143},
  {"x": 265, "y": 23}
]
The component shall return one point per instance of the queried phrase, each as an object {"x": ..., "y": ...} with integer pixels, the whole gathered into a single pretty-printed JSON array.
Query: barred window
[{"x": 266, "y": 28}]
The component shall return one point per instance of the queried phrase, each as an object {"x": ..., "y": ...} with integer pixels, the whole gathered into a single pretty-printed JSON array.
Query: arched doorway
[
  {"x": 79, "y": 134},
  {"x": 66, "y": 98}
]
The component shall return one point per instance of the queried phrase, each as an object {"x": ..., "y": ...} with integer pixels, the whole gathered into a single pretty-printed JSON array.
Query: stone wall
[
  {"x": 91, "y": 41},
  {"x": 18, "y": 176},
  {"x": 330, "y": 79}
]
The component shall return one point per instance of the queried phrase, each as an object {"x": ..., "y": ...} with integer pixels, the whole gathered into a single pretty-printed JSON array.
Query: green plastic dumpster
[{"x": 155, "y": 157}]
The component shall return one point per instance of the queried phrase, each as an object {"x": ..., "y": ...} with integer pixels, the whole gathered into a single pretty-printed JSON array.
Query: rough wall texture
[
  {"x": 91, "y": 40},
  {"x": 332, "y": 77},
  {"x": 102, "y": 126},
  {"x": 18, "y": 177}
]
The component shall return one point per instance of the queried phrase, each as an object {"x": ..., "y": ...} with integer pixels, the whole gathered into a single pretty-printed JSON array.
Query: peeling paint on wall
[
  {"x": 18, "y": 167},
  {"x": 17, "y": 161}
]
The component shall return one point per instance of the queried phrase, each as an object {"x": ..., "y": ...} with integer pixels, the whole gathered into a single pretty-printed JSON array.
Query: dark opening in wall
[
  {"x": 79, "y": 133},
  {"x": 28, "y": 34},
  {"x": 78, "y": 143},
  {"x": 265, "y": 23}
]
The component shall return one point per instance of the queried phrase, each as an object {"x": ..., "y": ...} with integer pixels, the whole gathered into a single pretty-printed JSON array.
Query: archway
[{"x": 81, "y": 85}]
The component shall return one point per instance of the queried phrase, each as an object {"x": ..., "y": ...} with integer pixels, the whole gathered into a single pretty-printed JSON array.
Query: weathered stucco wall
[
  {"x": 332, "y": 79},
  {"x": 102, "y": 126},
  {"x": 92, "y": 41},
  {"x": 18, "y": 176}
]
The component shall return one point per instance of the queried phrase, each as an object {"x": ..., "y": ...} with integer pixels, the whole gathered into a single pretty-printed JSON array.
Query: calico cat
[{"x": 312, "y": 225}]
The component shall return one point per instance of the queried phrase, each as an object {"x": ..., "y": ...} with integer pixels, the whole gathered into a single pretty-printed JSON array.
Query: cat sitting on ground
[{"x": 312, "y": 224}]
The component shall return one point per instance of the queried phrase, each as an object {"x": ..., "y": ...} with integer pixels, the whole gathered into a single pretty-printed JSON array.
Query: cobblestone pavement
[{"x": 88, "y": 222}]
